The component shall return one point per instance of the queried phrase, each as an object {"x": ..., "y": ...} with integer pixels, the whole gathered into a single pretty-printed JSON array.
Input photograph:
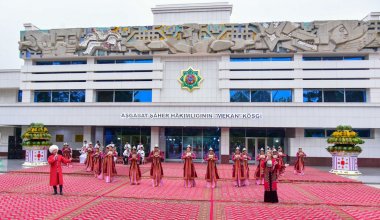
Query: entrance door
[
  {"x": 251, "y": 146},
  {"x": 261, "y": 143}
]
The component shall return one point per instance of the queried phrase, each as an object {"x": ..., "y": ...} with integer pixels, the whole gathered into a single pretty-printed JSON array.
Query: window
[
  {"x": 333, "y": 95},
  {"x": 333, "y": 58},
  {"x": 355, "y": 95},
  {"x": 124, "y": 61},
  {"x": 239, "y": 95},
  {"x": 260, "y": 59},
  {"x": 77, "y": 96},
  {"x": 312, "y": 95},
  {"x": 260, "y": 96},
  {"x": 314, "y": 133},
  {"x": 364, "y": 133},
  {"x": 281, "y": 95},
  {"x": 104, "y": 96},
  {"x": 79, "y": 138},
  {"x": 59, "y": 138},
  {"x": 73, "y": 62},
  {"x": 19, "y": 96},
  {"x": 60, "y": 96},
  {"x": 42, "y": 96},
  {"x": 142, "y": 96}
]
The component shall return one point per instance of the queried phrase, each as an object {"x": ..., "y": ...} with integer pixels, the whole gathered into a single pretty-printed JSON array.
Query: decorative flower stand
[
  {"x": 345, "y": 163},
  {"x": 35, "y": 156}
]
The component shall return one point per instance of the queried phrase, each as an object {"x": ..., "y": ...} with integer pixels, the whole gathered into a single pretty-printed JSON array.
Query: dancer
[
  {"x": 67, "y": 153},
  {"x": 83, "y": 153},
  {"x": 212, "y": 172},
  {"x": 156, "y": 171},
  {"x": 89, "y": 162},
  {"x": 238, "y": 174},
  {"x": 109, "y": 168},
  {"x": 246, "y": 158},
  {"x": 189, "y": 173},
  {"x": 259, "y": 172},
  {"x": 281, "y": 162},
  {"x": 270, "y": 179},
  {"x": 299, "y": 166},
  {"x": 141, "y": 151},
  {"x": 134, "y": 168},
  {"x": 97, "y": 160},
  {"x": 55, "y": 160}
]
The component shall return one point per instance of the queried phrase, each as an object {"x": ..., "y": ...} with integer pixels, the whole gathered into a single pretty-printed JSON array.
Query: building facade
[{"x": 194, "y": 78}]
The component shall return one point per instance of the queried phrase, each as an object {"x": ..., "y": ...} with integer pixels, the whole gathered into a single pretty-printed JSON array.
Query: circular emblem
[{"x": 190, "y": 79}]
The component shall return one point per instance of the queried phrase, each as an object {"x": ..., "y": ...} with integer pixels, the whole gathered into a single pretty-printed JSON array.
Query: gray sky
[{"x": 47, "y": 14}]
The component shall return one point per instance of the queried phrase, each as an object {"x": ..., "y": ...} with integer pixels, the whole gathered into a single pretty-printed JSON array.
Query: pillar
[
  {"x": 225, "y": 145},
  {"x": 155, "y": 138}
]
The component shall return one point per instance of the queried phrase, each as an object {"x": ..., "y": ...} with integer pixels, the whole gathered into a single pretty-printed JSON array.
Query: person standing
[
  {"x": 134, "y": 169},
  {"x": 109, "y": 167},
  {"x": 89, "y": 162},
  {"x": 97, "y": 160},
  {"x": 126, "y": 154},
  {"x": 189, "y": 173},
  {"x": 270, "y": 179},
  {"x": 156, "y": 170},
  {"x": 67, "y": 153},
  {"x": 142, "y": 153},
  {"x": 83, "y": 153},
  {"x": 281, "y": 162},
  {"x": 299, "y": 166},
  {"x": 259, "y": 172},
  {"x": 238, "y": 175},
  {"x": 55, "y": 161},
  {"x": 212, "y": 172},
  {"x": 246, "y": 158}
]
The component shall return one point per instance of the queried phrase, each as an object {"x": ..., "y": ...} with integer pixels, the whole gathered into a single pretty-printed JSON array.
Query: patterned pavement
[{"x": 25, "y": 194}]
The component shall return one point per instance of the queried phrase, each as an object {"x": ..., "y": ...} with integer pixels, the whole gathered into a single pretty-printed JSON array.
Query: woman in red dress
[
  {"x": 189, "y": 173},
  {"x": 55, "y": 160},
  {"x": 270, "y": 179},
  {"x": 212, "y": 172},
  {"x": 97, "y": 159},
  {"x": 299, "y": 166},
  {"x": 67, "y": 153},
  {"x": 281, "y": 162},
  {"x": 259, "y": 172},
  {"x": 246, "y": 158},
  {"x": 109, "y": 167},
  {"x": 156, "y": 171},
  {"x": 238, "y": 174},
  {"x": 134, "y": 168},
  {"x": 89, "y": 162}
]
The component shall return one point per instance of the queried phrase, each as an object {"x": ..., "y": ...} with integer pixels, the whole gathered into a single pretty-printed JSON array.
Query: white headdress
[
  {"x": 237, "y": 148},
  {"x": 65, "y": 144},
  {"x": 155, "y": 145},
  {"x": 244, "y": 149},
  {"x": 134, "y": 147},
  {"x": 52, "y": 148},
  {"x": 211, "y": 149}
]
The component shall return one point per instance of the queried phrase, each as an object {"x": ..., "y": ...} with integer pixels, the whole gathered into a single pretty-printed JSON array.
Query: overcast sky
[{"x": 47, "y": 14}]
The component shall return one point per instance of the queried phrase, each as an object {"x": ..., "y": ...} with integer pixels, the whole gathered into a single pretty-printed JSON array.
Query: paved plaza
[{"x": 25, "y": 194}]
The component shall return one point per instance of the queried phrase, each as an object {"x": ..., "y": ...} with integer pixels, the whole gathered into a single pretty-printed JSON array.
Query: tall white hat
[{"x": 52, "y": 148}]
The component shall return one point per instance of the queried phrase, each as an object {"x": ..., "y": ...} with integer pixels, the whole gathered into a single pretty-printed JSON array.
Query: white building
[{"x": 260, "y": 84}]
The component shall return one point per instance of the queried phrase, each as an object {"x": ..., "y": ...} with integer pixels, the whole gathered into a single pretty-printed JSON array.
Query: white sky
[{"x": 47, "y": 14}]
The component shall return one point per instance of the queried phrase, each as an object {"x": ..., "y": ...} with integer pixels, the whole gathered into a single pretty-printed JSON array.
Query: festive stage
[{"x": 25, "y": 194}]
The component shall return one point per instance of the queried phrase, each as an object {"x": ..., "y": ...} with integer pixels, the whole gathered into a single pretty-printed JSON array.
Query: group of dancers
[{"x": 270, "y": 166}]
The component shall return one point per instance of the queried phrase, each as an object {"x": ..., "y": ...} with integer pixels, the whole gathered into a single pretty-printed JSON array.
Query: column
[
  {"x": 155, "y": 138},
  {"x": 156, "y": 92},
  {"x": 27, "y": 96},
  {"x": 87, "y": 134},
  {"x": 225, "y": 145}
]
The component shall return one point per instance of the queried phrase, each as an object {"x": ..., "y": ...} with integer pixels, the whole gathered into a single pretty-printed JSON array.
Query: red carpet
[{"x": 25, "y": 194}]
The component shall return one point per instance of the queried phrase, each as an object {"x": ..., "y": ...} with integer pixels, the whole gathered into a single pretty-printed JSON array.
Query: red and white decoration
[
  {"x": 35, "y": 157},
  {"x": 345, "y": 163}
]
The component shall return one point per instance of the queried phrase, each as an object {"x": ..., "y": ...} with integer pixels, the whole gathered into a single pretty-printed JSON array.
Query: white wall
[
  {"x": 8, "y": 95},
  {"x": 69, "y": 135}
]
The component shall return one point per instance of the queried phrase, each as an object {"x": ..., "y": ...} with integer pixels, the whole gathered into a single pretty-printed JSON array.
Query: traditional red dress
[
  {"x": 238, "y": 174},
  {"x": 259, "y": 172},
  {"x": 270, "y": 181},
  {"x": 246, "y": 158},
  {"x": 134, "y": 168},
  {"x": 97, "y": 158},
  {"x": 109, "y": 167},
  {"x": 66, "y": 153},
  {"x": 189, "y": 173},
  {"x": 156, "y": 171},
  {"x": 211, "y": 172},
  {"x": 299, "y": 166},
  {"x": 89, "y": 162},
  {"x": 56, "y": 177},
  {"x": 281, "y": 163}
]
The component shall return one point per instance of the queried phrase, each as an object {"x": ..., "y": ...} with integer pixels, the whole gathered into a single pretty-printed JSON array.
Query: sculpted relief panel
[{"x": 277, "y": 37}]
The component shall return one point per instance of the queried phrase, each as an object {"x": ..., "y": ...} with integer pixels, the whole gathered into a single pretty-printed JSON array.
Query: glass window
[
  {"x": 124, "y": 61},
  {"x": 260, "y": 59},
  {"x": 237, "y": 132},
  {"x": 281, "y": 59},
  {"x": 282, "y": 95},
  {"x": 142, "y": 96},
  {"x": 105, "y": 61},
  {"x": 173, "y": 131},
  {"x": 333, "y": 95},
  {"x": 42, "y": 63},
  {"x": 77, "y": 95},
  {"x": 332, "y": 58},
  {"x": 123, "y": 96},
  {"x": 364, "y": 133},
  {"x": 314, "y": 133},
  {"x": 239, "y": 60},
  {"x": 312, "y": 95},
  {"x": 60, "y": 96},
  {"x": 260, "y": 96},
  {"x": 61, "y": 62},
  {"x": 312, "y": 58},
  {"x": 104, "y": 96},
  {"x": 275, "y": 132},
  {"x": 353, "y": 58},
  {"x": 75, "y": 62},
  {"x": 256, "y": 132},
  {"x": 355, "y": 95},
  {"x": 19, "y": 96},
  {"x": 42, "y": 96},
  {"x": 329, "y": 132},
  {"x": 239, "y": 95},
  {"x": 144, "y": 61}
]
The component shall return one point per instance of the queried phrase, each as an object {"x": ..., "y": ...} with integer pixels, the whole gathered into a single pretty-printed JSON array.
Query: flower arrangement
[
  {"x": 344, "y": 140},
  {"x": 36, "y": 136}
]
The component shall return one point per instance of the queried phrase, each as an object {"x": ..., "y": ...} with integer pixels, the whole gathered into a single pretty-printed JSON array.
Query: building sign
[
  {"x": 126, "y": 115},
  {"x": 190, "y": 79}
]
